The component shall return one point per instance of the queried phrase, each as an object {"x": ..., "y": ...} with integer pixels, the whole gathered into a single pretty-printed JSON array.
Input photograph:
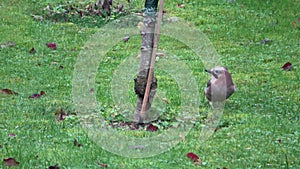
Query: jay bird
[{"x": 220, "y": 86}]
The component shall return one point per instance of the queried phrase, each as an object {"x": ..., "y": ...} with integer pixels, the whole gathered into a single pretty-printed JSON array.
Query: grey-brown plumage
[{"x": 220, "y": 86}]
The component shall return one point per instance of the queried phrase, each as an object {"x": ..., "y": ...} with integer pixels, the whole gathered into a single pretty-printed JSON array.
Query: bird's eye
[{"x": 217, "y": 71}]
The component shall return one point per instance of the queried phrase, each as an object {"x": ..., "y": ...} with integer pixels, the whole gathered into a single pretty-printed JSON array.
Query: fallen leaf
[
  {"x": 102, "y": 165},
  {"x": 11, "y": 162},
  {"x": 8, "y": 44},
  {"x": 126, "y": 38},
  {"x": 52, "y": 45},
  {"x": 192, "y": 156},
  {"x": 42, "y": 93},
  {"x": 266, "y": 41},
  {"x": 54, "y": 167},
  {"x": 61, "y": 115},
  {"x": 217, "y": 128},
  {"x": 287, "y": 66},
  {"x": 152, "y": 128},
  {"x": 12, "y": 135},
  {"x": 32, "y": 51},
  {"x": 8, "y": 91},
  {"x": 35, "y": 96},
  {"x": 80, "y": 14},
  {"x": 77, "y": 144}
]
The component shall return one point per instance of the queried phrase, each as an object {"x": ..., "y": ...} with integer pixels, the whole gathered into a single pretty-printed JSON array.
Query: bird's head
[{"x": 217, "y": 72}]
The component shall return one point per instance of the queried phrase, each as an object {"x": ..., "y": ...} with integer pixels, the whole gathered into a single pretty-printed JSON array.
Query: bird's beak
[{"x": 212, "y": 73}]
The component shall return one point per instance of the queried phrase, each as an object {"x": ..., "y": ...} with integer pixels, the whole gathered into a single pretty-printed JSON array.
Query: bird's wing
[
  {"x": 208, "y": 84},
  {"x": 208, "y": 90},
  {"x": 229, "y": 81}
]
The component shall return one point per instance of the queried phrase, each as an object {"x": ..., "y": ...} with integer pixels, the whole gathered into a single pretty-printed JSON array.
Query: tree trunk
[{"x": 145, "y": 61}]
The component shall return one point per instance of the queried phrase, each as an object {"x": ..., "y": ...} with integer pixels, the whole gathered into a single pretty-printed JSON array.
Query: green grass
[{"x": 261, "y": 119}]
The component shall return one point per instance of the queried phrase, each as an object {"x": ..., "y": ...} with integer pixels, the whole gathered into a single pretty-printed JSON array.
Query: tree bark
[{"x": 145, "y": 61}]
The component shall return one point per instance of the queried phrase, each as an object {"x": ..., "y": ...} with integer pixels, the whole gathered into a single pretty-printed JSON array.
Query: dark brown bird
[{"x": 220, "y": 87}]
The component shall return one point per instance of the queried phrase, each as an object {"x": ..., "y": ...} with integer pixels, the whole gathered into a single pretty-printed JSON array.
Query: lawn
[{"x": 254, "y": 39}]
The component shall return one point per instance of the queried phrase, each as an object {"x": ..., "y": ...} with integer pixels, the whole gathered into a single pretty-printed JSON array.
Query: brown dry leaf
[
  {"x": 76, "y": 144},
  {"x": 32, "y": 50},
  {"x": 61, "y": 115},
  {"x": 11, "y": 162},
  {"x": 126, "y": 38},
  {"x": 37, "y": 95},
  {"x": 8, "y": 91},
  {"x": 51, "y": 45},
  {"x": 287, "y": 66},
  {"x": 194, "y": 157},
  {"x": 102, "y": 165}
]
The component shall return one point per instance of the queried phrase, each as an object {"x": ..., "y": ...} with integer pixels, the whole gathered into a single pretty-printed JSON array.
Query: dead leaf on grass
[
  {"x": 54, "y": 167},
  {"x": 32, "y": 51},
  {"x": 152, "y": 128},
  {"x": 194, "y": 157},
  {"x": 61, "y": 115},
  {"x": 12, "y": 135},
  {"x": 52, "y": 45},
  {"x": 77, "y": 144},
  {"x": 11, "y": 162},
  {"x": 266, "y": 41},
  {"x": 35, "y": 96},
  {"x": 8, "y": 92},
  {"x": 102, "y": 165},
  {"x": 126, "y": 38},
  {"x": 287, "y": 66}
]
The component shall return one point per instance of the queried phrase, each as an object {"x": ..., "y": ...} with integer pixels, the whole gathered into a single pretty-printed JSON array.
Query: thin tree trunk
[{"x": 145, "y": 61}]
